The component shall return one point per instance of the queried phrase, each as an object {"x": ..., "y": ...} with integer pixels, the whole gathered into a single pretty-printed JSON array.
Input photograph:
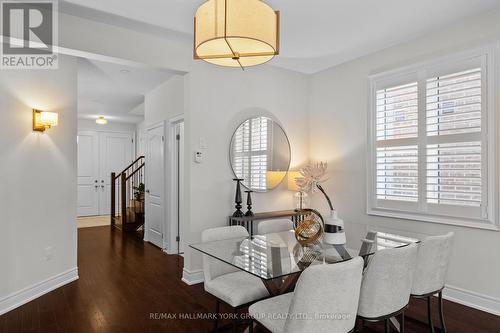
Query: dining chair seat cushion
[
  {"x": 237, "y": 288},
  {"x": 272, "y": 312}
]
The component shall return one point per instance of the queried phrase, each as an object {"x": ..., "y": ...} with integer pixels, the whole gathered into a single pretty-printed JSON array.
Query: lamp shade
[
  {"x": 43, "y": 120},
  {"x": 292, "y": 185},
  {"x": 274, "y": 178},
  {"x": 236, "y": 33}
]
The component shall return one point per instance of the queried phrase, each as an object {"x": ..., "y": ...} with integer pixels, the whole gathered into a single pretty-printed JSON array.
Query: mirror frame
[{"x": 289, "y": 152}]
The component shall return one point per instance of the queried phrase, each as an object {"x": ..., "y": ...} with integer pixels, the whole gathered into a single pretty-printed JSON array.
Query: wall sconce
[{"x": 43, "y": 120}]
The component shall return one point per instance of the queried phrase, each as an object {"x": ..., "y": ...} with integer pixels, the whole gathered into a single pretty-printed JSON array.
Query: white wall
[
  {"x": 140, "y": 139},
  {"x": 38, "y": 181},
  {"x": 111, "y": 126},
  {"x": 338, "y": 109},
  {"x": 219, "y": 100},
  {"x": 164, "y": 101}
]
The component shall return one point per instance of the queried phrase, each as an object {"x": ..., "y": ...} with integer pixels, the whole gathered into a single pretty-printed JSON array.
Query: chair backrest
[
  {"x": 270, "y": 226},
  {"x": 212, "y": 267},
  {"x": 326, "y": 298},
  {"x": 432, "y": 264},
  {"x": 387, "y": 281}
]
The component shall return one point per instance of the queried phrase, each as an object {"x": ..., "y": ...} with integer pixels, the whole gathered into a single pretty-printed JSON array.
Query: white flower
[{"x": 312, "y": 175}]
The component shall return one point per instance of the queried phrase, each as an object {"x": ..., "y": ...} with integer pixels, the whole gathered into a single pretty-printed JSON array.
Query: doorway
[
  {"x": 176, "y": 186},
  {"x": 99, "y": 154}
]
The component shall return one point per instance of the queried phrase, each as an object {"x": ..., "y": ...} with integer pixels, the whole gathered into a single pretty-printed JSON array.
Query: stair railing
[{"x": 126, "y": 181}]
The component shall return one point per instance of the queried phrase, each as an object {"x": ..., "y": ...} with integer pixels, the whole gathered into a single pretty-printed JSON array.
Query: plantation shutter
[
  {"x": 396, "y": 149},
  {"x": 250, "y": 153}
]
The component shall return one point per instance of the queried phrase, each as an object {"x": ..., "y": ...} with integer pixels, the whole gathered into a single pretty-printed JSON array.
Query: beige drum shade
[{"x": 236, "y": 33}]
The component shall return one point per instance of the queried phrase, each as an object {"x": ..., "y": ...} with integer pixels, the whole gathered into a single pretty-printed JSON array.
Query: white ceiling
[
  {"x": 115, "y": 91},
  {"x": 316, "y": 34}
]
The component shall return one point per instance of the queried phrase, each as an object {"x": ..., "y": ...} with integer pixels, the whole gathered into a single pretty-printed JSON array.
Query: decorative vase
[
  {"x": 301, "y": 200},
  {"x": 334, "y": 230}
]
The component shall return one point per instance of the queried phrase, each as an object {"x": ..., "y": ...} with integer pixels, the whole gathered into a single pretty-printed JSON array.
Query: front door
[
  {"x": 116, "y": 153},
  {"x": 155, "y": 184}
]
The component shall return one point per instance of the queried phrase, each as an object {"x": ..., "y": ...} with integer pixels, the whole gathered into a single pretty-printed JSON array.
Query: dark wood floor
[{"x": 123, "y": 281}]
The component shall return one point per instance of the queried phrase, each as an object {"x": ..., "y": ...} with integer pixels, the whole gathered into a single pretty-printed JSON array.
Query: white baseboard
[
  {"x": 472, "y": 299},
  {"x": 191, "y": 278},
  {"x": 38, "y": 289}
]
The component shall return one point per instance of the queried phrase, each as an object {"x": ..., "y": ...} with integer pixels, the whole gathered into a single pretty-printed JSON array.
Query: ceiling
[
  {"x": 316, "y": 34},
  {"x": 115, "y": 91}
]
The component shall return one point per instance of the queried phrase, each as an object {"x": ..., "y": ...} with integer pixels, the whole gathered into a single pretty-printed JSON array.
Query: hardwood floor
[{"x": 125, "y": 282}]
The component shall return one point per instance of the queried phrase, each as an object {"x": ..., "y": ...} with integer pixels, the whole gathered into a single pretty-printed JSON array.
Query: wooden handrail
[
  {"x": 135, "y": 171},
  {"x": 129, "y": 166}
]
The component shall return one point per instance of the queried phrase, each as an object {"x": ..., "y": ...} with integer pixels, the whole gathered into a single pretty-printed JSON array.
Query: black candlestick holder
[
  {"x": 249, "y": 204},
  {"x": 237, "y": 198}
]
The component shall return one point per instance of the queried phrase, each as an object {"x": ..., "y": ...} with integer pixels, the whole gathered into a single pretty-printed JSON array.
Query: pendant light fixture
[{"x": 236, "y": 33}]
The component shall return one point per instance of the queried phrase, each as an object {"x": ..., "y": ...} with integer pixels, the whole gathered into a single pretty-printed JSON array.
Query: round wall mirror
[{"x": 260, "y": 154}]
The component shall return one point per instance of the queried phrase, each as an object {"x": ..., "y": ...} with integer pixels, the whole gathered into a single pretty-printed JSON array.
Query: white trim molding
[
  {"x": 472, "y": 299},
  {"x": 192, "y": 277},
  {"x": 487, "y": 214},
  {"x": 36, "y": 290}
]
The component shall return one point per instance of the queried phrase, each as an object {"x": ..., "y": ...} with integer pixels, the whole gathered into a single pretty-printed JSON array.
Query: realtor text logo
[{"x": 29, "y": 30}]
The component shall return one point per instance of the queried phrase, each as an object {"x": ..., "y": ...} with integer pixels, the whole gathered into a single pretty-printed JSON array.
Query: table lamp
[{"x": 274, "y": 178}]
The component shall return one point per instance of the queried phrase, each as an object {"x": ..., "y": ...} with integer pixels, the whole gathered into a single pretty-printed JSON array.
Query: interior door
[
  {"x": 155, "y": 185},
  {"x": 88, "y": 173},
  {"x": 116, "y": 153}
]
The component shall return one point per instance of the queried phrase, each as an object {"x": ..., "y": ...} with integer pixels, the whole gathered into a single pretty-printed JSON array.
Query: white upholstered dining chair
[
  {"x": 387, "y": 283},
  {"x": 228, "y": 284},
  {"x": 271, "y": 226},
  {"x": 430, "y": 273},
  {"x": 325, "y": 300}
]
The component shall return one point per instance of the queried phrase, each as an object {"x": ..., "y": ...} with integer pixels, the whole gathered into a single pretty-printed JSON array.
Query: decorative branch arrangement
[{"x": 312, "y": 176}]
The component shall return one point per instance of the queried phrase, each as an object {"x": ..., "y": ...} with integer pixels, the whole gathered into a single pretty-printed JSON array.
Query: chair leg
[
  {"x": 235, "y": 321},
  {"x": 217, "y": 315},
  {"x": 402, "y": 323},
  {"x": 250, "y": 328},
  {"x": 387, "y": 326},
  {"x": 441, "y": 314},
  {"x": 429, "y": 314}
]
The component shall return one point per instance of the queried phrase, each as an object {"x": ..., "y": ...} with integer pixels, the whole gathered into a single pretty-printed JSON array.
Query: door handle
[
  {"x": 147, "y": 191},
  {"x": 102, "y": 186}
]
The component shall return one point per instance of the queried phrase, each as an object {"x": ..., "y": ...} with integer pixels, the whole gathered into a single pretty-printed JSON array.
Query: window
[{"x": 431, "y": 142}]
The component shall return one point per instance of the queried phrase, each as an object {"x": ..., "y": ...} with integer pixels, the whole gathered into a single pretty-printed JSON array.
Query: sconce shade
[
  {"x": 274, "y": 178},
  {"x": 236, "y": 33},
  {"x": 292, "y": 186},
  {"x": 43, "y": 120}
]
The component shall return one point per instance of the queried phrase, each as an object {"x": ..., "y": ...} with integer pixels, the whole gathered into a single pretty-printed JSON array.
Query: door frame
[
  {"x": 98, "y": 133},
  {"x": 164, "y": 208},
  {"x": 170, "y": 244}
]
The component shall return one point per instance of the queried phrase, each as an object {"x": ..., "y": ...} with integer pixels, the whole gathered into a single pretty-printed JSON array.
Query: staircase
[{"x": 127, "y": 197}]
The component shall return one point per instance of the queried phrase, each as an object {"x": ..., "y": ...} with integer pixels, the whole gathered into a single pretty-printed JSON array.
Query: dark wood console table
[{"x": 247, "y": 221}]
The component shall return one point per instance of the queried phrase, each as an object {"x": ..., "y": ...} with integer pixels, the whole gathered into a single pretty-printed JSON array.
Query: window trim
[{"x": 489, "y": 133}]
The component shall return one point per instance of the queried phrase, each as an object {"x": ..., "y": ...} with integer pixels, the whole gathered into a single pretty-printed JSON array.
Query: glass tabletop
[{"x": 276, "y": 255}]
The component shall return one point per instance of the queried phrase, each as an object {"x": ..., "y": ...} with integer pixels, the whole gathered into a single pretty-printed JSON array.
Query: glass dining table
[{"x": 278, "y": 258}]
